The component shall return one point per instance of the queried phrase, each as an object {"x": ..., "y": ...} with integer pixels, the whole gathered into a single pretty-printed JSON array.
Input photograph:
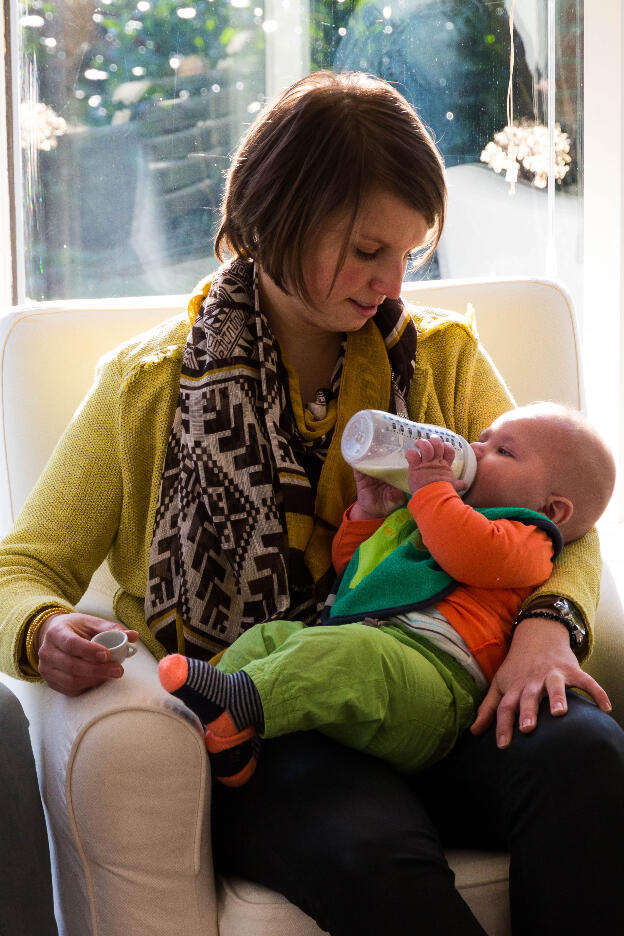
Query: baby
[{"x": 426, "y": 601}]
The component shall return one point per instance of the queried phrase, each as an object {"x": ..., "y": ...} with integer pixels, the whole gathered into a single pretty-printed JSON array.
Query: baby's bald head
[{"x": 578, "y": 464}]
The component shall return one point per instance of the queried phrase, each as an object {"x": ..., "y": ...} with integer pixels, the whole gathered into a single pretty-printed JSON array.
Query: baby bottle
[{"x": 375, "y": 442}]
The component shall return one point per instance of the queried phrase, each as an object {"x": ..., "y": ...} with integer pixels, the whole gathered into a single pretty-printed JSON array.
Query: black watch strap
[{"x": 556, "y": 608}]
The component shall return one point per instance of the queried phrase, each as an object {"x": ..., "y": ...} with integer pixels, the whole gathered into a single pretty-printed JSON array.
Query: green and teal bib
[{"x": 393, "y": 572}]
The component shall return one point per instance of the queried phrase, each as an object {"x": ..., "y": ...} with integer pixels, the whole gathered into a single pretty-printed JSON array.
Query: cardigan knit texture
[{"x": 96, "y": 498}]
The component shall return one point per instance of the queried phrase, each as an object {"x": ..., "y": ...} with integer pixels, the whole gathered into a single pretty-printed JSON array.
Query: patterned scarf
[{"x": 240, "y": 535}]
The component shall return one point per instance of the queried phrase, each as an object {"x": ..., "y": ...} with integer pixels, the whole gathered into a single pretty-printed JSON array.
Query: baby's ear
[{"x": 559, "y": 509}]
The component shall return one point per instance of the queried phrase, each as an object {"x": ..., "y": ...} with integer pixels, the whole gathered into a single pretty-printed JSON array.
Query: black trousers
[{"x": 360, "y": 848}]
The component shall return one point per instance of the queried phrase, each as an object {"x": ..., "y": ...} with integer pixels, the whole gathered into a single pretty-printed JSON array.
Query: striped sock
[{"x": 229, "y": 707}]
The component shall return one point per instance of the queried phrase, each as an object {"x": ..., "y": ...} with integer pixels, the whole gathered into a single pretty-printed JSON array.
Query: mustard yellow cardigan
[{"x": 97, "y": 497}]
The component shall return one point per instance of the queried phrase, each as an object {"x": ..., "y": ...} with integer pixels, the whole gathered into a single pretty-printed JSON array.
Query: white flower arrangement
[
  {"x": 40, "y": 126},
  {"x": 529, "y": 143}
]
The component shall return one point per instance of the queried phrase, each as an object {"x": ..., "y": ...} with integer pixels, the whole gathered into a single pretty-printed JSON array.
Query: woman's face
[{"x": 388, "y": 230}]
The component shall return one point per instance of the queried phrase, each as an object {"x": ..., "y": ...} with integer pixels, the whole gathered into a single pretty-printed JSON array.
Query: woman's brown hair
[{"x": 319, "y": 150}]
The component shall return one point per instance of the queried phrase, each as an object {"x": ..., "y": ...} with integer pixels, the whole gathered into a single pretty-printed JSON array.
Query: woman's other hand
[
  {"x": 68, "y": 661},
  {"x": 539, "y": 662},
  {"x": 430, "y": 460},
  {"x": 375, "y": 498}
]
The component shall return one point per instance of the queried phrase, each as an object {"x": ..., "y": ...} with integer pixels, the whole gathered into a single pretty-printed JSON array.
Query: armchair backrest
[
  {"x": 528, "y": 327},
  {"x": 48, "y": 354}
]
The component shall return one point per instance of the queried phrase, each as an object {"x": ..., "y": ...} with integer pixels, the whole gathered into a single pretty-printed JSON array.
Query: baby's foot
[{"x": 228, "y": 706}]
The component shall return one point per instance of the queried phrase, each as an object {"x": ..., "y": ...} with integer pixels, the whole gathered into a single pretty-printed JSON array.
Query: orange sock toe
[{"x": 173, "y": 672}]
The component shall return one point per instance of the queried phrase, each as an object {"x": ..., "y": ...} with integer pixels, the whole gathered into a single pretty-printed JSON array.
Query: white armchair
[{"x": 130, "y": 855}]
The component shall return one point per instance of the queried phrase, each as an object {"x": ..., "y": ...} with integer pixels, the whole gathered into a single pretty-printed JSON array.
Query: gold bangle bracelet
[{"x": 33, "y": 630}]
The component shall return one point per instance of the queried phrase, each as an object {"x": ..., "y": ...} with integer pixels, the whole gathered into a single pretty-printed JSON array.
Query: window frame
[
  {"x": 8, "y": 253},
  {"x": 603, "y": 271}
]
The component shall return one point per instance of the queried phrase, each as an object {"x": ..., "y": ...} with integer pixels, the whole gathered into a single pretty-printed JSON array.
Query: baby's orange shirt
[{"x": 498, "y": 563}]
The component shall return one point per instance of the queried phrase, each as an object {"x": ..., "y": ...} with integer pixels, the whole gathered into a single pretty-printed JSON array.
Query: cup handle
[{"x": 131, "y": 649}]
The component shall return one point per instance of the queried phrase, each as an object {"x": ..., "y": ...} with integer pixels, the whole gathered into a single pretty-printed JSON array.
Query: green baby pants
[{"x": 381, "y": 690}]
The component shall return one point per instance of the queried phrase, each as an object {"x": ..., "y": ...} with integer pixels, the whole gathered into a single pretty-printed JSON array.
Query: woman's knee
[
  {"x": 575, "y": 762},
  {"x": 584, "y": 740}
]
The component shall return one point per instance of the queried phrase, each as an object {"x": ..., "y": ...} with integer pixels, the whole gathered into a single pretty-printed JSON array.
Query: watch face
[
  {"x": 564, "y": 608},
  {"x": 570, "y": 619}
]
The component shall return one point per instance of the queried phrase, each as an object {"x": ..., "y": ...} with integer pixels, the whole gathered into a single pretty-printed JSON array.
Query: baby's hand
[
  {"x": 375, "y": 498},
  {"x": 430, "y": 460}
]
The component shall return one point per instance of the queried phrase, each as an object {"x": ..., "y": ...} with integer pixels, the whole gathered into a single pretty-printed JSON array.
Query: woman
[{"x": 214, "y": 484}]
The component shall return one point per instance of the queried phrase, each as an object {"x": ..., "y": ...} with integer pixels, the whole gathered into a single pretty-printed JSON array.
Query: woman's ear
[{"x": 559, "y": 509}]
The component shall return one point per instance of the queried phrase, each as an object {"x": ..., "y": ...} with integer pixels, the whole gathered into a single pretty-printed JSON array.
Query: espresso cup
[{"x": 116, "y": 642}]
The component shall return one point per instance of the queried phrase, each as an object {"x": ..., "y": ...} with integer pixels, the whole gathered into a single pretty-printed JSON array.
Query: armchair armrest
[{"x": 126, "y": 784}]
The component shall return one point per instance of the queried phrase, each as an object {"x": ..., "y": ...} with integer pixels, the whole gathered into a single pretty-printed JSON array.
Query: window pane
[
  {"x": 451, "y": 59},
  {"x": 130, "y": 113}
]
